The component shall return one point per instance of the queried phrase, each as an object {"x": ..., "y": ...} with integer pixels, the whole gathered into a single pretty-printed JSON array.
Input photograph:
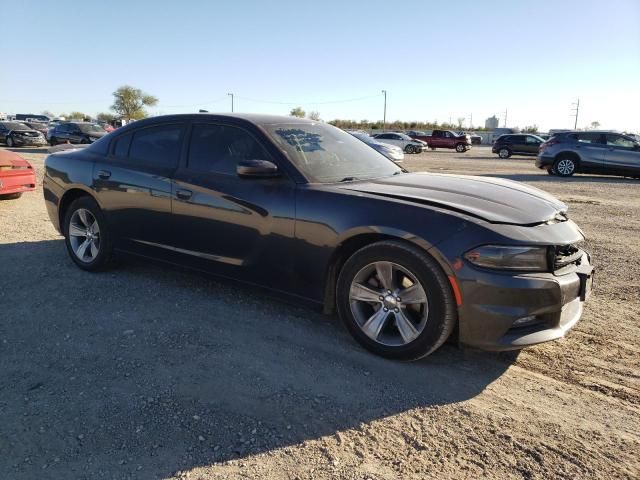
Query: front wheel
[
  {"x": 461, "y": 148},
  {"x": 504, "y": 153},
  {"x": 10, "y": 142},
  {"x": 395, "y": 300},
  {"x": 409, "y": 149},
  {"x": 53, "y": 141},
  {"x": 86, "y": 234}
]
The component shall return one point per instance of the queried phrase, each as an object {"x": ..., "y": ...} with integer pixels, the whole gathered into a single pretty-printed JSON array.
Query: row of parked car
[
  {"x": 567, "y": 153},
  {"x": 25, "y": 134},
  {"x": 394, "y": 145}
]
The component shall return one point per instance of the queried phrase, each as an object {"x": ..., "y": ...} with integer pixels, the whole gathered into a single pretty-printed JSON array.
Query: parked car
[
  {"x": 392, "y": 152},
  {"x": 475, "y": 139},
  {"x": 18, "y": 134},
  {"x": 446, "y": 139},
  {"x": 308, "y": 211},
  {"x": 41, "y": 127},
  {"x": 75, "y": 132},
  {"x": 517, "y": 144},
  {"x": 602, "y": 152},
  {"x": 405, "y": 142},
  {"x": 16, "y": 175}
]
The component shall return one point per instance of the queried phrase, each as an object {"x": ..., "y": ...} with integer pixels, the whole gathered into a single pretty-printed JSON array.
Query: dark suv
[
  {"x": 75, "y": 132},
  {"x": 609, "y": 153},
  {"x": 517, "y": 144}
]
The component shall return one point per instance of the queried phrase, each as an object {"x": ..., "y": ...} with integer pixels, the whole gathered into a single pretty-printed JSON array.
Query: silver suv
[{"x": 608, "y": 153}]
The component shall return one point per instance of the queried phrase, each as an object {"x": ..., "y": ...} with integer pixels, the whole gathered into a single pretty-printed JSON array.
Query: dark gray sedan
[{"x": 307, "y": 211}]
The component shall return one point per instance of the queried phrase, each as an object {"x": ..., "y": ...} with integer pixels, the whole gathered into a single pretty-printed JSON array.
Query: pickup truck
[{"x": 444, "y": 139}]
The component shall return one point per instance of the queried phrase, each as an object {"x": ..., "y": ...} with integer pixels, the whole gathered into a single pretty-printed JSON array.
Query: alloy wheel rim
[
  {"x": 388, "y": 303},
  {"x": 565, "y": 167},
  {"x": 503, "y": 153},
  {"x": 84, "y": 235}
]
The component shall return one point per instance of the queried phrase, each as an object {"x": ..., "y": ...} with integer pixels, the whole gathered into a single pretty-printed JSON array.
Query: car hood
[
  {"x": 10, "y": 160},
  {"x": 492, "y": 199}
]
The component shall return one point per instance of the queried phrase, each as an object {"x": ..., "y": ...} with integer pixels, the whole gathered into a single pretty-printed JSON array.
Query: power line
[{"x": 257, "y": 100}]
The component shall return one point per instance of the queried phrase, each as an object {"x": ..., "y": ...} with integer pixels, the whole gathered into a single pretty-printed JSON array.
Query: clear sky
[{"x": 437, "y": 60}]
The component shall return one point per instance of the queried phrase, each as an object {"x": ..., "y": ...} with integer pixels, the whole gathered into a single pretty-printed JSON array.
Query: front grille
[{"x": 564, "y": 256}]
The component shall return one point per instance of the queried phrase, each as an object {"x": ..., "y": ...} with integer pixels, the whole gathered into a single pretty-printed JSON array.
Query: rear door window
[
  {"x": 122, "y": 143},
  {"x": 587, "y": 137},
  {"x": 157, "y": 147}
]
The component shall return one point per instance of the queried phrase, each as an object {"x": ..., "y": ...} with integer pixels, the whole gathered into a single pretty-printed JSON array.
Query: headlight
[{"x": 532, "y": 259}]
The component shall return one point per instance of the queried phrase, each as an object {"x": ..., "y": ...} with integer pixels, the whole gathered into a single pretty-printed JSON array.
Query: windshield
[
  {"x": 365, "y": 138},
  {"x": 16, "y": 126},
  {"x": 90, "y": 127},
  {"x": 326, "y": 154}
]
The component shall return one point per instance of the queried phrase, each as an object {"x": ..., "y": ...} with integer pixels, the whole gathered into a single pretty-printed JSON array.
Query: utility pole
[
  {"x": 384, "y": 115},
  {"x": 231, "y": 95},
  {"x": 505, "y": 118},
  {"x": 576, "y": 109},
  {"x": 471, "y": 121}
]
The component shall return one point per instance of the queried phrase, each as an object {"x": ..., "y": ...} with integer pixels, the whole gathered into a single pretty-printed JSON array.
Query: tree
[
  {"x": 106, "y": 117},
  {"x": 297, "y": 112},
  {"x": 460, "y": 121},
  {"x": 129, "y": 102},
  {"x": 48, "y": 114},
  {"x": 75, "y": 116},
  {"x": 314, "y": 116},
  {"x": 530, "y": 129},
  {"x": 595, "y": 125}
]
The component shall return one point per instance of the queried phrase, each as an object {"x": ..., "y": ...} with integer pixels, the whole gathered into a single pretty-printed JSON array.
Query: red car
[
  {"x": 443, "y": 139},
  {"x": 16, "y": 175}
]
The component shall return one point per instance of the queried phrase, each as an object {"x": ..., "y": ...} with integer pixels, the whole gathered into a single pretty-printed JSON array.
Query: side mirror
[{"x": 257, "y": 169}]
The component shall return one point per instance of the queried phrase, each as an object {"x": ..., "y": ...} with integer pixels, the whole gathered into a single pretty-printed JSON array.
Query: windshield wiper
[{"x": 349, "y": 179}]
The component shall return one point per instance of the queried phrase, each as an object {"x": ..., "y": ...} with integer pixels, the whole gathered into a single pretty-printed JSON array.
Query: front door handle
[
  {"x": 184, "y": 194},
  {"x": 104, "y": 174}
]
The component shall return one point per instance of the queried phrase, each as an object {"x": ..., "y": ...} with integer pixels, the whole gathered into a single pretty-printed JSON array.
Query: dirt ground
[{"x": 148, "y": 372}]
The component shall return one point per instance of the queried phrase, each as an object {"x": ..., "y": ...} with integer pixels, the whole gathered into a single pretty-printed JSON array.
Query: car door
[
  {"x": 591, "y": 148},
  {"x": 239, "y": 227},
  {"x": 75, "y": 135},
  {"x": 531, "y": 145},
  {"x": 622, "y": 155},
  {"x": 3, "y": 133},
  {"x": 133, "y": 184},
  {"x": 437, "y": 139},
  {"x": 61, "y": 133},
  {"x": 389, "y": 138}
]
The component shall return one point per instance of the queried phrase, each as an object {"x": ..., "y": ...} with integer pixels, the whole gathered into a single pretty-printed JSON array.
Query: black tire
[
  {"x": 84, "y": 141},
  {"x": 432, "y": 148},
  {"x": 10, "y": 196},
  {"x": 442, "y": 310},
  {"x": 550, "y": 171},
  {"x": 9, "y": 141},
  {"x": 53, "y": 141},
  {"x": 409, "y": 149},
  {"x": 461, "y": 147},
  {"x": 504, "y": 153},
  {"x": 565, "y": 166},
  {"x": 103, "y": 257}
]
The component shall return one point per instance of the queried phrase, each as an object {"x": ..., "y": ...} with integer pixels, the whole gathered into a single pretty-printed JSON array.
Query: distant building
[{"x": 491, "y": 122}]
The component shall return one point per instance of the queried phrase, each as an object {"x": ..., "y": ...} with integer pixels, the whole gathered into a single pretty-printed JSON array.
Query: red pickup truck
[{"x": 443, "y": 139}]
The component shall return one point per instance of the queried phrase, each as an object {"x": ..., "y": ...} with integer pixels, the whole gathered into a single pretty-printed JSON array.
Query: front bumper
[
  {"x": 17, "y": 180},
  {"x": 547, "y": 304},
  {"x": 29, "y": 141}
]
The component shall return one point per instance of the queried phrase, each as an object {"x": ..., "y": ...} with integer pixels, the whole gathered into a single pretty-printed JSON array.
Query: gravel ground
[{"x": 148, "y": 372}]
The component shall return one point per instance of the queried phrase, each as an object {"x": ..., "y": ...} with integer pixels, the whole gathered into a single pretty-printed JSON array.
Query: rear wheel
[
  {"x": 395, "y": 300},
  {"x": 53, "y": 141},
  {"x": 86, "y": 234},
  {"x": 564, "y": 166},
  {"x": 504, "y": 153},
  {"x": 461, "y": 148}
]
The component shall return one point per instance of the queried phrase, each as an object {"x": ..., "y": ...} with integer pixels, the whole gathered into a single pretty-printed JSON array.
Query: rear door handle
[
  {"x": 184, "y": 194},
  {"x": 104, "y": 174}
]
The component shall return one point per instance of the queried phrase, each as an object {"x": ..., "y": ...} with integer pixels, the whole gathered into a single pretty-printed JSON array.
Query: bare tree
[
  {"x": 594, "y": 125},
  {"x": 314, "y": 116},
  {"x": 460, "y": 121}
]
